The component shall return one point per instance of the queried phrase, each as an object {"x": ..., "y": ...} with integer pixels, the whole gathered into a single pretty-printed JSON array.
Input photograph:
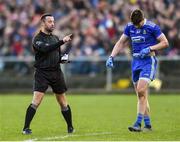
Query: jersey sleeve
[
  {"x": 126, "y": 30},
  {"x": 157, "y": 31},
  {"x": 40, "y": 45}
]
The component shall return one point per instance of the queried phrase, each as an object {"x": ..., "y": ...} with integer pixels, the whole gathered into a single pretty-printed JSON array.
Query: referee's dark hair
[
  {"x": 43, "y": 17},
  {"x": 137, "y": 16}
]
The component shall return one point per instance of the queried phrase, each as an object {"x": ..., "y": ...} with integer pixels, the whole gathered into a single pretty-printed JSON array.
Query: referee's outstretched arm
[{"x": 41, "y": 46}]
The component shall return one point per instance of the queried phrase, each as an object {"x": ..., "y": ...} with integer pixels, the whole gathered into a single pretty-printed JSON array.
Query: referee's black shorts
[{"x": 45, "y": 78}]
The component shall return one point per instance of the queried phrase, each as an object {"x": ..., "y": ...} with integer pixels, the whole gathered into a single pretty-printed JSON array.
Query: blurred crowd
[{"x": 96, "y": 24}]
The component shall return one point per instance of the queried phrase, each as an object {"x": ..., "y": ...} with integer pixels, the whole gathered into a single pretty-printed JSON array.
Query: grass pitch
[{"x": 96, "y": 117}]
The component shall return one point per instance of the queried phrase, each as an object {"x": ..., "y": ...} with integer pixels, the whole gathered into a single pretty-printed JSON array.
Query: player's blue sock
[
  {"x": 147, "y": 121},
  {"x": 138, "y": 120}
]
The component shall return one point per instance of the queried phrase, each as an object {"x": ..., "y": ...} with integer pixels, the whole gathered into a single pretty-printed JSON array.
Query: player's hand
[
  {"x": 64, "y": 59},
  {"x": 144, "y": 52},
  {"x": 110, "y": 62},
  {"x": 67, "y": 38}
]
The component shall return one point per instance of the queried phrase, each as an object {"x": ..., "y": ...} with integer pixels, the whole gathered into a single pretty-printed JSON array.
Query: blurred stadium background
[{"x": 96, "y": 25}]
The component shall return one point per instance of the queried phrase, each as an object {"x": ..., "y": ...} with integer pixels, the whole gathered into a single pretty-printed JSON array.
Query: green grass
[{"x": 96, "y": 117}]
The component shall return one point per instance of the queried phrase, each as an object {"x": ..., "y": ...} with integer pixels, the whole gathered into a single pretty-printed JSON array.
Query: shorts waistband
[{"x": 137, "y": 55}]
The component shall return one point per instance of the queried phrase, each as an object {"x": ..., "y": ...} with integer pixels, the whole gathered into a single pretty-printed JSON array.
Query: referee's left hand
[
  {"x": 64, "y": 59},
  {"x": 145, "y": 52},
  {"x": 67, "y": 38}
]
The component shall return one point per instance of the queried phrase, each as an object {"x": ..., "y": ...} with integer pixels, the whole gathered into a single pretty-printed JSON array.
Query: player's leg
[
  {"x": 146, "y": 114},
  {"x": 147, "y": 108},
  {"x": 65, "y": 110},
  {"x": 140, "y": 118},
  {"x": 135, "y": 78},
  {"x": 150, "y": 71},
  {"x": 31, "y": 110},
  {"x": 147, "y": 121},
  {"x": 146, "y": 117},
  {"x": 141, "y": 90},
  {"x": 147, "y": 111},
  {"x": 143, "y": 78}
]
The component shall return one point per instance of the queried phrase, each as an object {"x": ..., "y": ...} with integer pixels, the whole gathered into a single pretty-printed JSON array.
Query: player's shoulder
[
  {"x": 150, "y": 23},
  {"x": 129, "y": 24}
]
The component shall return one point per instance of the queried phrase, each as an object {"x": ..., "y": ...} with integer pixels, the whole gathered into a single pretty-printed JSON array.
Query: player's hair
[
  {"x": 43, "y": 17},
  {"x": 137, "y": 16}
]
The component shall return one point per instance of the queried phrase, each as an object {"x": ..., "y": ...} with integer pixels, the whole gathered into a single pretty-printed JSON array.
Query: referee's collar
[{"x": 44, "y": 34}]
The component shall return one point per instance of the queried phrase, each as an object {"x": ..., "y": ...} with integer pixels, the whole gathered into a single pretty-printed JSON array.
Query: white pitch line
[
  {"x": 30, "y": 140},
  {"x": 76, "y": 135},
  {"x": 67, "y": 136}
]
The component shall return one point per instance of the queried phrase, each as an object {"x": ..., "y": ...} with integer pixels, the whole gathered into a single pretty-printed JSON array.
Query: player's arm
[
  {"x": 163, "y": 43},
  {"x": 119, "y": 45}
]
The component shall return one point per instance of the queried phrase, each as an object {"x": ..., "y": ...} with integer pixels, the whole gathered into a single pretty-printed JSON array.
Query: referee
[{"x": 48, "y": 72}]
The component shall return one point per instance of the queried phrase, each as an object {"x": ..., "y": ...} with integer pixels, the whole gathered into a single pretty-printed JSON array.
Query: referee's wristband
[{"x": 61, "y": 42}]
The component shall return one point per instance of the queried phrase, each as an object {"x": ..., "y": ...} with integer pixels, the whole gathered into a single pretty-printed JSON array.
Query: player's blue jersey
[{"x": 142, "y": 37}]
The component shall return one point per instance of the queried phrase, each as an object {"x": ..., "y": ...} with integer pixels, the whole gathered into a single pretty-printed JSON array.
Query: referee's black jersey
[{"x": 47, "y": 51}]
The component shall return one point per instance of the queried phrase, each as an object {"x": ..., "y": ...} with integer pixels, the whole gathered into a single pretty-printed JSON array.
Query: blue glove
[
  {"x": 144, "y": 52},
  {"x": 110, "y": 62}
]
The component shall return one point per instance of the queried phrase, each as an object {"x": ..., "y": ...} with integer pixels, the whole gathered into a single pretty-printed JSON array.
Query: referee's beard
[{"x": 49, "y": 29}]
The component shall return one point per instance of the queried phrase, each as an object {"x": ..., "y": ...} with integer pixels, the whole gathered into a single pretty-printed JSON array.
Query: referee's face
[{"x": 49, "y": 23}]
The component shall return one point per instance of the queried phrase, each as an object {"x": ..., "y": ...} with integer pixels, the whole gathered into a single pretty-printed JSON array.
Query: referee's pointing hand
[{"x": 67, "y": 38}]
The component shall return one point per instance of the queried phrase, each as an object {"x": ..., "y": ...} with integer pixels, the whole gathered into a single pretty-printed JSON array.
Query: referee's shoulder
[
  {"x": 35, "y": 38},
  {"x": 56, "y": 36}
]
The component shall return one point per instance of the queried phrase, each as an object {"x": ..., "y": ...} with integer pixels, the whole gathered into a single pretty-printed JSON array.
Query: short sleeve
[
  {"x": 157, "y": 31},
  {"x": 126, "y": 30}
]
